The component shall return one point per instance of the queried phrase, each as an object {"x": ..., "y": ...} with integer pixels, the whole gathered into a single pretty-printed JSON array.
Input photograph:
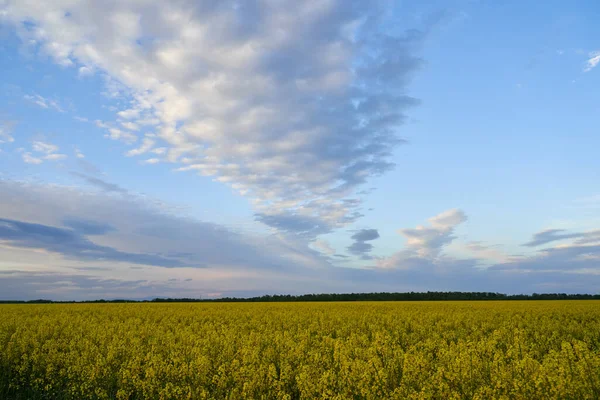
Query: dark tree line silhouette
[{"x": 384, "y": 296}]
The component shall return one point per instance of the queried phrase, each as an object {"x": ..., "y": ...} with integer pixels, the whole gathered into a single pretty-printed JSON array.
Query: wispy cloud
[
  {"x": 593, "y": 61},
  {"x": 100, "y": 183},
  {"x": 42, "y": 147},
  {"x": 115, "y": 133},
  {"x": 6, "y": 128},
  {"x": 42, "y": 151},
  {"x": 552, "y": 235},
  {"x": 323, "y": 246},
  {"x": 490, "y": 254},
  {"x": 30, "y": 159},
  {"x": 55, "y": 157},
  {"x": 44, "y": 102},
  {"x": 78, "y": 153},
  {"x": 118, "y": 134}
]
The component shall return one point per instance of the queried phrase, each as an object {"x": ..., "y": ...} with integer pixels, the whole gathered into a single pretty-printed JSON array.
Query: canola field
[{"x": 362, "y": 350}]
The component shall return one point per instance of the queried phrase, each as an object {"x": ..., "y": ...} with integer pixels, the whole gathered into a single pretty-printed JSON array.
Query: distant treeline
[{"x": 409, "y": 296}]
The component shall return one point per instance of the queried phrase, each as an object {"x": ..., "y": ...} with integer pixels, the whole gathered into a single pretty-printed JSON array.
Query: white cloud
[
  {"x": 152, "y": 161},
  {"x": 428, "y": 242},
  {"x": 130, "y": 125},
  {"x": 42, "y": 147},
  {"x": 101, "y": 124},
  {"x": 6, "y": 128},
  {"x": 593, "y": 61},
  {"x": 46, "y": 151},
  {"x": 323, "y": 246},
  {"x": 29, "y": 159},
  {"x": 85, "y": 71},
  {"x": 129, "y": 114},
  {"x": 293, "y": 104},
  {"x": 448, "y": 219},
  {"x": 78, "y": 153},
  {"x": 55, "y": 157},
  {"x": 145, "y": 147},
  {"x": 425, "y": 244},
  {"x": 489, "y": 254},
  {"x": 117, "y": 134}
]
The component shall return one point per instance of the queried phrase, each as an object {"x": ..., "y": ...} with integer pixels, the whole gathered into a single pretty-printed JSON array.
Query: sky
[{"x": 206, "y": 148}]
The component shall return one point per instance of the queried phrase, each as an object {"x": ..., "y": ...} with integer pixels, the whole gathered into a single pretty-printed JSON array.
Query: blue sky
[{"x": 241, "y": 148}]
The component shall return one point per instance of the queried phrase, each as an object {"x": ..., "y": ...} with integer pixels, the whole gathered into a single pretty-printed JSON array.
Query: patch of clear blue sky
[{"x": 508, "y": 127}]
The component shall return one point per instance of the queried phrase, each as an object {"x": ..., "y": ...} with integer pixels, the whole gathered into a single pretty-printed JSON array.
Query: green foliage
[{"x": 357, "y": 350}]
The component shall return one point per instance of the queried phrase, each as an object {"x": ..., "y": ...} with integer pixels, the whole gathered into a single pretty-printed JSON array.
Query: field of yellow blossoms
[{"x": 354, "y": 350}]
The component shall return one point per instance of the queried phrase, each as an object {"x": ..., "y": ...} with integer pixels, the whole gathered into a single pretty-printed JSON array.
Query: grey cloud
[
  {"x": 562, "y": 258},
  {"x": 365, "y": 235},
  {"x": 28, "y": 285},
  {"x": 589, "y": 237},
  {"x": 144, "y": 233},
  {"x": 478, "y": 246},
  {"x": 54, "y": 285},
  {"x": 453, "y": 275},
  {"x": 87, "y": 227},
  {"x": 461, "y": 275},
  {"x": 99, "y": 183},
  {"x": 360, "y": 247},
  {"x": 550, "y": 235},
  {"x": 306, "y": 226},
  {"x": 87, "y": 167},
  {"x": 70, "y": 243}
]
